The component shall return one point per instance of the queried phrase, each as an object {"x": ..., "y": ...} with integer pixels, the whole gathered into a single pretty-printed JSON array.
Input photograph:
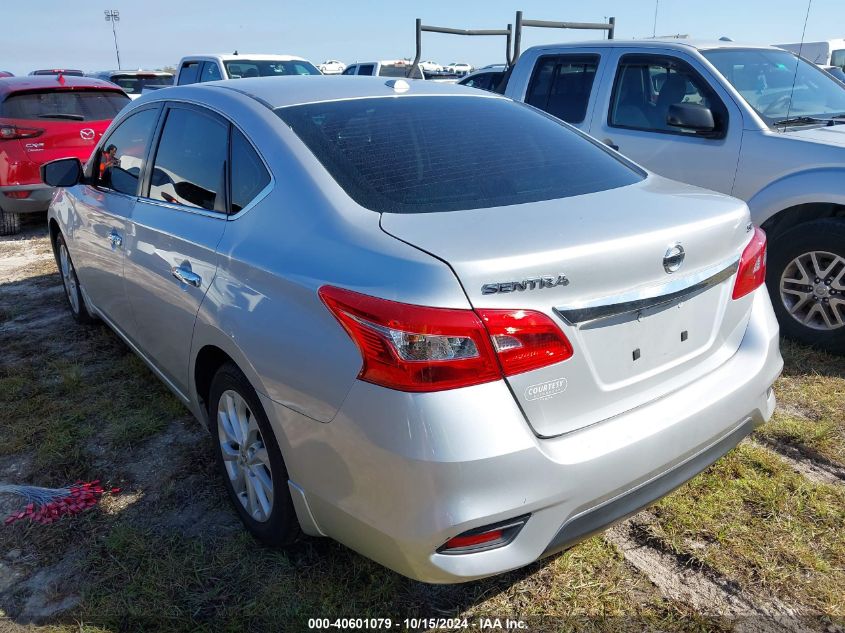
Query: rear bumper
[
  {"x": 38, "y": 199},
  {"x": 396, "y": 475}
]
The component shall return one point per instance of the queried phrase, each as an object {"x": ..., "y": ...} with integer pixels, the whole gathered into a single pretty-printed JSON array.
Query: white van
[{"x": 827, "y": 53}]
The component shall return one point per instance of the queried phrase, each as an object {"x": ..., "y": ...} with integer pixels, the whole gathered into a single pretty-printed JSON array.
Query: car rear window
[
  {"x": 135, "y": 84},
  {"x": 76, "y": 105},
  {"x": 447, "y": 153}
]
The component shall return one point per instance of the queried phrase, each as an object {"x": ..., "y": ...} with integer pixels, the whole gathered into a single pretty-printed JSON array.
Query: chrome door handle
[
  {"x": 186, "y": 276},
  {"x": 115, "y": 239}
]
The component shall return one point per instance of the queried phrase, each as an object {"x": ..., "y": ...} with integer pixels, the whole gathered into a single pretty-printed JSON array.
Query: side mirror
[
  {"x": 64, "y": 172},
  {"x": 691, "y": 116}
]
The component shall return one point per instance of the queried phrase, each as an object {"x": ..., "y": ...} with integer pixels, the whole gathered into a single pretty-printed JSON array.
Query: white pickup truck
[{"x": 755, "y": 122}]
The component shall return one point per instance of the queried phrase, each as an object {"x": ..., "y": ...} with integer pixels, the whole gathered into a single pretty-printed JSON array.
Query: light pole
[{"x": 113, "y": 16}]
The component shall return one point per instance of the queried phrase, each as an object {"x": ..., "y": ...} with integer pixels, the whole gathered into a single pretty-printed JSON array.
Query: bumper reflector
[{"x": 484, "y": 538}]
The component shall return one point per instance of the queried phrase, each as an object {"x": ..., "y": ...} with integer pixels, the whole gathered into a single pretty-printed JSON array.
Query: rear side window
[
  {"x": 189, "y": 74},
  {"x": 561, "y": 85},
  {"x": 76, "y": 105},
  {"x": 190, "y": 164},
  {"x": 122, "y": 156},
  {"x": 249, "y": 175},
  {"x": 446, "y": 153}
]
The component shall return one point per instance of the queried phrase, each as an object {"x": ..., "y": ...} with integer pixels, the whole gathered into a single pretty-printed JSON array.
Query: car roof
[
  {"x": 257, "y": 57},
  {"x": 9, "y": 85},
  {"x": 658, "y": 42},
  {"x": 278, "y": 92}
]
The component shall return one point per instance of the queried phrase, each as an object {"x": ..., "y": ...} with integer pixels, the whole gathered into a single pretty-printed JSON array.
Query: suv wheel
[
  {"x": 806, "y": 280},
  {"x": 250, "y": 460},
  {"x": 73, "y": 292},
  {"x": 10, "y": 223}
]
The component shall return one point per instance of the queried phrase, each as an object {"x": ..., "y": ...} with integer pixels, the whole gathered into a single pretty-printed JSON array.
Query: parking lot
[{"x": 753, "y": 543}]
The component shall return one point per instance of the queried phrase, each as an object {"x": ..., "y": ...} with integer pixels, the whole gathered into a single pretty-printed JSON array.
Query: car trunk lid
[
  {"x": 63, "y": 139},
  {"x": 595, "y": 264}
]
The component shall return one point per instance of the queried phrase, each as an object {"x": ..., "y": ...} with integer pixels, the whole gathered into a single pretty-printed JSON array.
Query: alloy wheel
[
  {"x": 245, "y": 456},
  {"x": 812, "y": 288}
]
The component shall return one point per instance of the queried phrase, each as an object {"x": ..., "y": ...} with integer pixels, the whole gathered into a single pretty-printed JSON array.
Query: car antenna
[
  {"x": 800, "y": 50},
  {"x": 236, "y": 52}
]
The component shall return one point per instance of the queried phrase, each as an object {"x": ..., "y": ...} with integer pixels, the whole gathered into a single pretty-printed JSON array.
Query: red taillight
[
  {"x": 18, "y": 195},
  {"x": 11, "y": 132},
  {"x": 414, "y": 348},
  {"x": 752, "y": 265},
  {"x": 525, "y": 340},
  {"x": 417, "y": 348}
]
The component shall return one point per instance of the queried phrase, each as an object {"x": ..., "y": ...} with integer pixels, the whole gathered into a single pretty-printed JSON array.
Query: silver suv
[{"x": 439, "y": 326}]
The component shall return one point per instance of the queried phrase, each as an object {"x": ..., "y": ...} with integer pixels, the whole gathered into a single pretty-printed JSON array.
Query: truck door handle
[
  {"x": 186, "y": 276},
  {"x": 115, "y": 239},
  {"x": 609, "y": 142}
]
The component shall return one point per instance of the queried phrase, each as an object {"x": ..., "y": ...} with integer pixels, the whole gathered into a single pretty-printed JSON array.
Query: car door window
[
  {"x": 210, "y": 72},
  {"x": 190, "y": 163},
  {"x": 561, "y": 85},
  {"x": 366, "y": 69},
  {"x": 121, "y": 157},
  {"x": 249, "y": 175},
  {"x": 189, "y": 73},
  {"x": 350, "y": 70},
  {"x": 646, "y": 86}
]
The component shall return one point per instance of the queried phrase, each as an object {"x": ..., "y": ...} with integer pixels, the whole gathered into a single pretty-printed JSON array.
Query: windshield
[
  {"x": 135, "y": 84},
  {"x": 244, "y": 68},
  {"x": 430, "y": 154},
  {"x": 765, "y": 80}
]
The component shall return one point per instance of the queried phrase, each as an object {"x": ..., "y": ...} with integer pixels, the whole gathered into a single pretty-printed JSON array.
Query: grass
[
  {"x": 168, "y": 554},
  {"x": 91, "y": 388},
  {"x": 754, "y": 520},
  {"x": 230, "y": 584},
  {"x": 811, "y": 399}
]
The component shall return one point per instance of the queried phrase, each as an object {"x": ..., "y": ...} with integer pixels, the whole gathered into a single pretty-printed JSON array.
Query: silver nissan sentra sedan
[{"x": 436, "y": 325}]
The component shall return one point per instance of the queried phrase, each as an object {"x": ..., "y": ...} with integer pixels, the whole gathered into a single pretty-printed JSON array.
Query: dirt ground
[{"x": 755, "y": 543}]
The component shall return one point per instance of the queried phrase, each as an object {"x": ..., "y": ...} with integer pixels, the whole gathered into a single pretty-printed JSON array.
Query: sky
[{"x": 155, "y": 33}]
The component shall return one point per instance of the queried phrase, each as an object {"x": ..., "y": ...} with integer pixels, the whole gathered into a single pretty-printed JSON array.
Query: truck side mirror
[
  {"x": 64, "y": 172},
  {"x": 691, "y": 116}
]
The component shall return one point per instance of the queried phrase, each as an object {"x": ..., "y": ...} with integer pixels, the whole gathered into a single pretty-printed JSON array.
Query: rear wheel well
[
  {"x": 801, "y": 214},
  {"x": 209, "y": 360}
]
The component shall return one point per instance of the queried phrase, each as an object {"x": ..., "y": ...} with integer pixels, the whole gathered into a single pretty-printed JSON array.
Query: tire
[
  {"x": 10, "y": 223},
  {"x": 805, "y": 276},
  {"x": 245, "y": 464},
  {"x": 73, "y": 291}
]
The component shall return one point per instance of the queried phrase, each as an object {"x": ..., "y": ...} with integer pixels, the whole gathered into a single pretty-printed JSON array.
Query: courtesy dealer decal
[{"x": 545, "y": 390}]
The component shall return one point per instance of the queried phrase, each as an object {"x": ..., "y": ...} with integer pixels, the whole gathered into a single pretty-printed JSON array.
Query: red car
[{"x": 43, "y": 118}]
